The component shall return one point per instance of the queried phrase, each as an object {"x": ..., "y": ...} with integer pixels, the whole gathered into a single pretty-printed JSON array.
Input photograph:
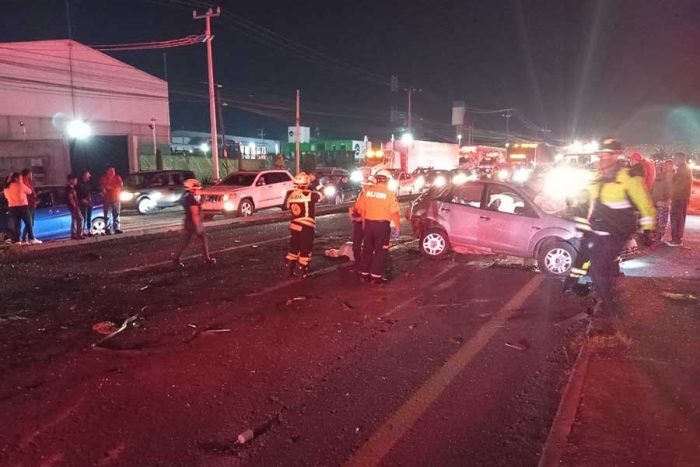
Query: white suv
[{"x": 242, "y": 193}]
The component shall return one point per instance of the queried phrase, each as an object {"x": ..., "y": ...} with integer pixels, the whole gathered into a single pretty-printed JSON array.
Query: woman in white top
[{"x": 16, "y": 193}]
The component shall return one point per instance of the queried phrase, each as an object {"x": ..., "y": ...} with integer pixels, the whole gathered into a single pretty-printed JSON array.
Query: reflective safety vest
[
  {"x": 613, "y": 203},
  {"x": 302, "y": 204},
  {"x": 379, "y": 203}
]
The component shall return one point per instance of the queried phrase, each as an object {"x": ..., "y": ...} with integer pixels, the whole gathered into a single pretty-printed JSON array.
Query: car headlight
[
  {"x": 225, "y": 197},
  {"x": 329, "y": 190},
  {"x": 228, "y": 206},
  {"x": 393, "y": 185},
  {"x": 459, "y": 178},
  {"x": 126, "y": 196},
  {"x": 521, "y": 176},
  {"x": 503, "y": 175},
  {"x": 419, "y": 183},
  {"x": 440, "y": 181},
  {"x": 357, "y": 177}
]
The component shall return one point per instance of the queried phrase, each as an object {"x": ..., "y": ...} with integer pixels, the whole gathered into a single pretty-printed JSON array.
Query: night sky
[{"x": 581, "y": 68}]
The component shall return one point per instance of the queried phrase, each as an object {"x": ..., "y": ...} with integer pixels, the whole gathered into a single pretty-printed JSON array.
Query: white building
[
  {"x": 66, "y": 107},
  {"x": 251, "y": 148}
]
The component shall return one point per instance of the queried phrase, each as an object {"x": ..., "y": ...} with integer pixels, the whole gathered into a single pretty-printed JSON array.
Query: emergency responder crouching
[
  {"x": 193, "y": 222},
  {"x": 615, "y": 195},
  {"x": 302, "y": 204},
  {"x": 378, "y": 207}
]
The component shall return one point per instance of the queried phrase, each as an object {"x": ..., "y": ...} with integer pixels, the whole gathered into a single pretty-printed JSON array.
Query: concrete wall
[{"x": 49, "y": 159}]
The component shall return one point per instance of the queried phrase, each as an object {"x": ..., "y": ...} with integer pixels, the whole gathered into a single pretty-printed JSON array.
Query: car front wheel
[
  {"x": 246, "y": 208},
  {"x": 145, "y": 205},
  {"x": 98, "y": 226},
  {"x": 434, "y": 243},
  {"x": 556, "y": 258}
]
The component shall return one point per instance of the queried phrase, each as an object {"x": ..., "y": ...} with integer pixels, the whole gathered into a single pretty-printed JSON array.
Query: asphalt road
[{"x": 455, "y": 362}]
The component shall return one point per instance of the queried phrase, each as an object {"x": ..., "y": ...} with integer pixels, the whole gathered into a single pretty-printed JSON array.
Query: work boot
[
  {"x": 177, "y": 262},
  {"x": 379, "y": 280},
  {"x": 303, "y": 271},
  {"x": 211, "y": 261},
  {"x": 363, "y": 278}
]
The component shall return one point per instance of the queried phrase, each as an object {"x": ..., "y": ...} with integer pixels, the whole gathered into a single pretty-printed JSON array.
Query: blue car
[{"x": 52, "y": 217}]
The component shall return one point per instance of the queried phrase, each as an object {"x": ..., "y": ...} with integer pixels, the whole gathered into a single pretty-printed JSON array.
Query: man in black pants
[
  {"x": 302, "y": 203},
  {"x": 84, "y": 191},
  {"x": 680, "y": 198},
  {"x": 378, "y": 208}
]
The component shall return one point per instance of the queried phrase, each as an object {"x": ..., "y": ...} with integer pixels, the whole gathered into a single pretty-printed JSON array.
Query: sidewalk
[{"x": 640, "y": 402}]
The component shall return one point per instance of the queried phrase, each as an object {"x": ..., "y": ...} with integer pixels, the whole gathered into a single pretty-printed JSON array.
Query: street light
[
  {"x": 78, "y": 129},
  {"x": 407, "y": 138},
  {"x": 204, "y": 147},
  {"x": 459, "y": 139}
]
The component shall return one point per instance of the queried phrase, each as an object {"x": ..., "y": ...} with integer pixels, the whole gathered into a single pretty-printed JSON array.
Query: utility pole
[
  {"x": 165, "y": 65},
  {"x": 298, "y": 151},
  {"x": 153, "y": 130},
  {"x": 221, "y": 105},
  {"x": 261, "y": 133},
  {"x": 212, "y": 99},
  {"x": 410, "y": 92}
]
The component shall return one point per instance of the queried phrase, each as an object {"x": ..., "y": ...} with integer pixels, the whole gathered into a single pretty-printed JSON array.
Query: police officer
[
  {"x": 302, "y": 204},
  {"x": 357, "y": 227},
  {"x": 378, "y": 207},
  {"x": 616, "y": 195}
]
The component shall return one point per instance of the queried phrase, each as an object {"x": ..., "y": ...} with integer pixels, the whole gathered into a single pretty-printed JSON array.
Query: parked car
[
  {"x": 433, "y": 177},
  {"x": 146, "y": 191},
  {"x": 242, "y": 193},
  {"x": 52, "y": 219},
  {"x": 337, "y": 185},
  {"x": 403, "y": 182},
  {"x": 492, "y": 217}
]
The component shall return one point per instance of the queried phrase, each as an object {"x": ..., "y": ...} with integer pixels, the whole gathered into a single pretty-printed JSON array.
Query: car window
[
  {"x": 45, "y": 200},
  {"x": 177, "y": 178},
  {"x": 468, "y": 194},
  {"x": 277, "y": 177},
  {"x": 503, "y": 199},
  {"x": 238, "y": 179}
]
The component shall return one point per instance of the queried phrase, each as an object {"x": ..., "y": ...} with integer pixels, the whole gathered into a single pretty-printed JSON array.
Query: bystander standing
[
  {"x": 661, "y": 196},
  {"x": 76, "y": 224},
  {"x": 84, "y": 191},
  {"x": 32, "y": 200},
  {"x": 680, "y": 198},
  {"x": 111, "y": 185},
  {"x": 16, "y": 193}
]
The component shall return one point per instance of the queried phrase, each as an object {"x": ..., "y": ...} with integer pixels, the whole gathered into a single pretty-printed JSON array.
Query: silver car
[{"x": 494, "y": 218}]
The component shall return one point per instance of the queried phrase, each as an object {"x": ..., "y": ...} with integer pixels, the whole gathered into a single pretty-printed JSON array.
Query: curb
[{"x": 553, "y": 449}]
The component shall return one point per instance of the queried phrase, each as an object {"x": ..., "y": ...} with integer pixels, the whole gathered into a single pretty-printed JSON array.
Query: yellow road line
[{"x": 381, "y": 442}]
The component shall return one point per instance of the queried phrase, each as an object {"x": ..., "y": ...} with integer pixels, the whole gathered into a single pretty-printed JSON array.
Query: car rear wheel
[
  {"x": 556, "y": 258},
  {"x": 246, "y": 208},
  {"x": 98, "y": 226},
  {"x": 434, "y": 243},
  {"x": 145, "y": 205}
]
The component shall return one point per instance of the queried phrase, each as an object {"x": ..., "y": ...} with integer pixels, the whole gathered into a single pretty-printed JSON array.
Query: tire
[
  {"x": 246, "y": 208},
  {"x": 145, "y": 205},
  {"x": 556, "y": 258},
  {"x": 98, "y": 226},
  {"x": 434, "y": 243}
]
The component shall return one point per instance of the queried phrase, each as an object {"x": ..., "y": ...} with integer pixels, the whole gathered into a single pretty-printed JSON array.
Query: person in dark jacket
[
  {"x": 32, "y": 200},
  {"x": 76, "y": 225},
  {"x": 84, "y": 190},
  {"x": 661, "y": 196},
  {"x": 680, "y": 198}
]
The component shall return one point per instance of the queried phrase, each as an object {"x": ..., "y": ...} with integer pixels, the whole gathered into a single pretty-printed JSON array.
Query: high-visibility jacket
[
  {"x": 302, "y": 204},
  {"x": 379, "y": 203},
  {"x": 613, "y": 203}
]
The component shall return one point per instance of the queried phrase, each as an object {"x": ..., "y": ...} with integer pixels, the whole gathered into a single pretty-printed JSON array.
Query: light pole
[
  {"x": 153, "y": 130},
  {"x": 212, "y": 99},
  {"x": 507, "y": 115}
]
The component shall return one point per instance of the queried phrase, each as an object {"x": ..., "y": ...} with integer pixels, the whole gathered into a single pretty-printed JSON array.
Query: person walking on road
[
  {"x": 680, "y": 198},
  {"x": 32, "y": 200},
  {"x": 661, "y": 196},
  {"x": 111, "y": 185},
  {"x": 378, "y": 207},
  {"x": 302, "y": 204},
  {"x": 193, "y": 223},
  {"x": 77, "y": 221},
  {"x": 16, "y": 193},
  {"x": 84, "y": 191},
  {"x": 615, "y": 196}
]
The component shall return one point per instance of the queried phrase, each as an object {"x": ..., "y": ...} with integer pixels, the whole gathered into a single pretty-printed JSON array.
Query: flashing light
[
  {"x": 78, "y": 129},
  {"x": 564, "y": 182},
  {"x": 419, "y": 183},
  {"x": 357, "y": 176},
  {"x": 459, "y": 178},
  {"x": 228, "y": 206},
  {"x": 204, "y": 147},
  {"x": 126, "y": 196},
  {"x": 522, "y": 175},
  {"x": 407, "y": 138},
  {"x": 525, "y": 145},
  {"x": 329, "y": 190},
  {"x": 440, "y": 181},
  {"x": 503, "y": 175},
  {"x": 518, "y": 156}
]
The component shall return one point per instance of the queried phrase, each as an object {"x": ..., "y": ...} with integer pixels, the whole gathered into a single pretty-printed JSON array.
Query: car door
[
  {"x": 459, "y": 211},
  {"x": 506, "y": 220},
  {"x": 52, "y": 217},
  {"x": 279, "y": 187},
  {"x": 264, "y": 191}
]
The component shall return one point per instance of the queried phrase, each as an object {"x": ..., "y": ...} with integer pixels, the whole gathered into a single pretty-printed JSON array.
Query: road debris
[
  {"x": 522, "y": 344},
  {"x": 104, "y": 327},
  {"x": 192, "y": 325},
  {"x": 246, "y": 436},
  {"x": 130, "y": 321},
  {"x": 144, "y": 287},
  {"x": 215, "y": 331},
  {"x": 295, "y": 299},
  {"x": 347, "y": 306},
  {"x": 679, "y": 296}
]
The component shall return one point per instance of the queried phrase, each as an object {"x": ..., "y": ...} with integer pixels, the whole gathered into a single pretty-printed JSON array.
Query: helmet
[
  {"x": 611, "y": 145},
  {"x": 192, "y": 184},
  {"x": 636, "y": 157},
  {"x": 301, "y": 179},
  {"x": 383, "y": 173},
  {"x": 372, "y": 179}
]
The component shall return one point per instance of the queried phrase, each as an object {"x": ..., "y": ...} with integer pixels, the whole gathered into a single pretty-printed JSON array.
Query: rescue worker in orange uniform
[
  {"x": 378, "y": 207},
  {"x": 302, "y": 204},
  {"x": 357, "y": 228}
]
